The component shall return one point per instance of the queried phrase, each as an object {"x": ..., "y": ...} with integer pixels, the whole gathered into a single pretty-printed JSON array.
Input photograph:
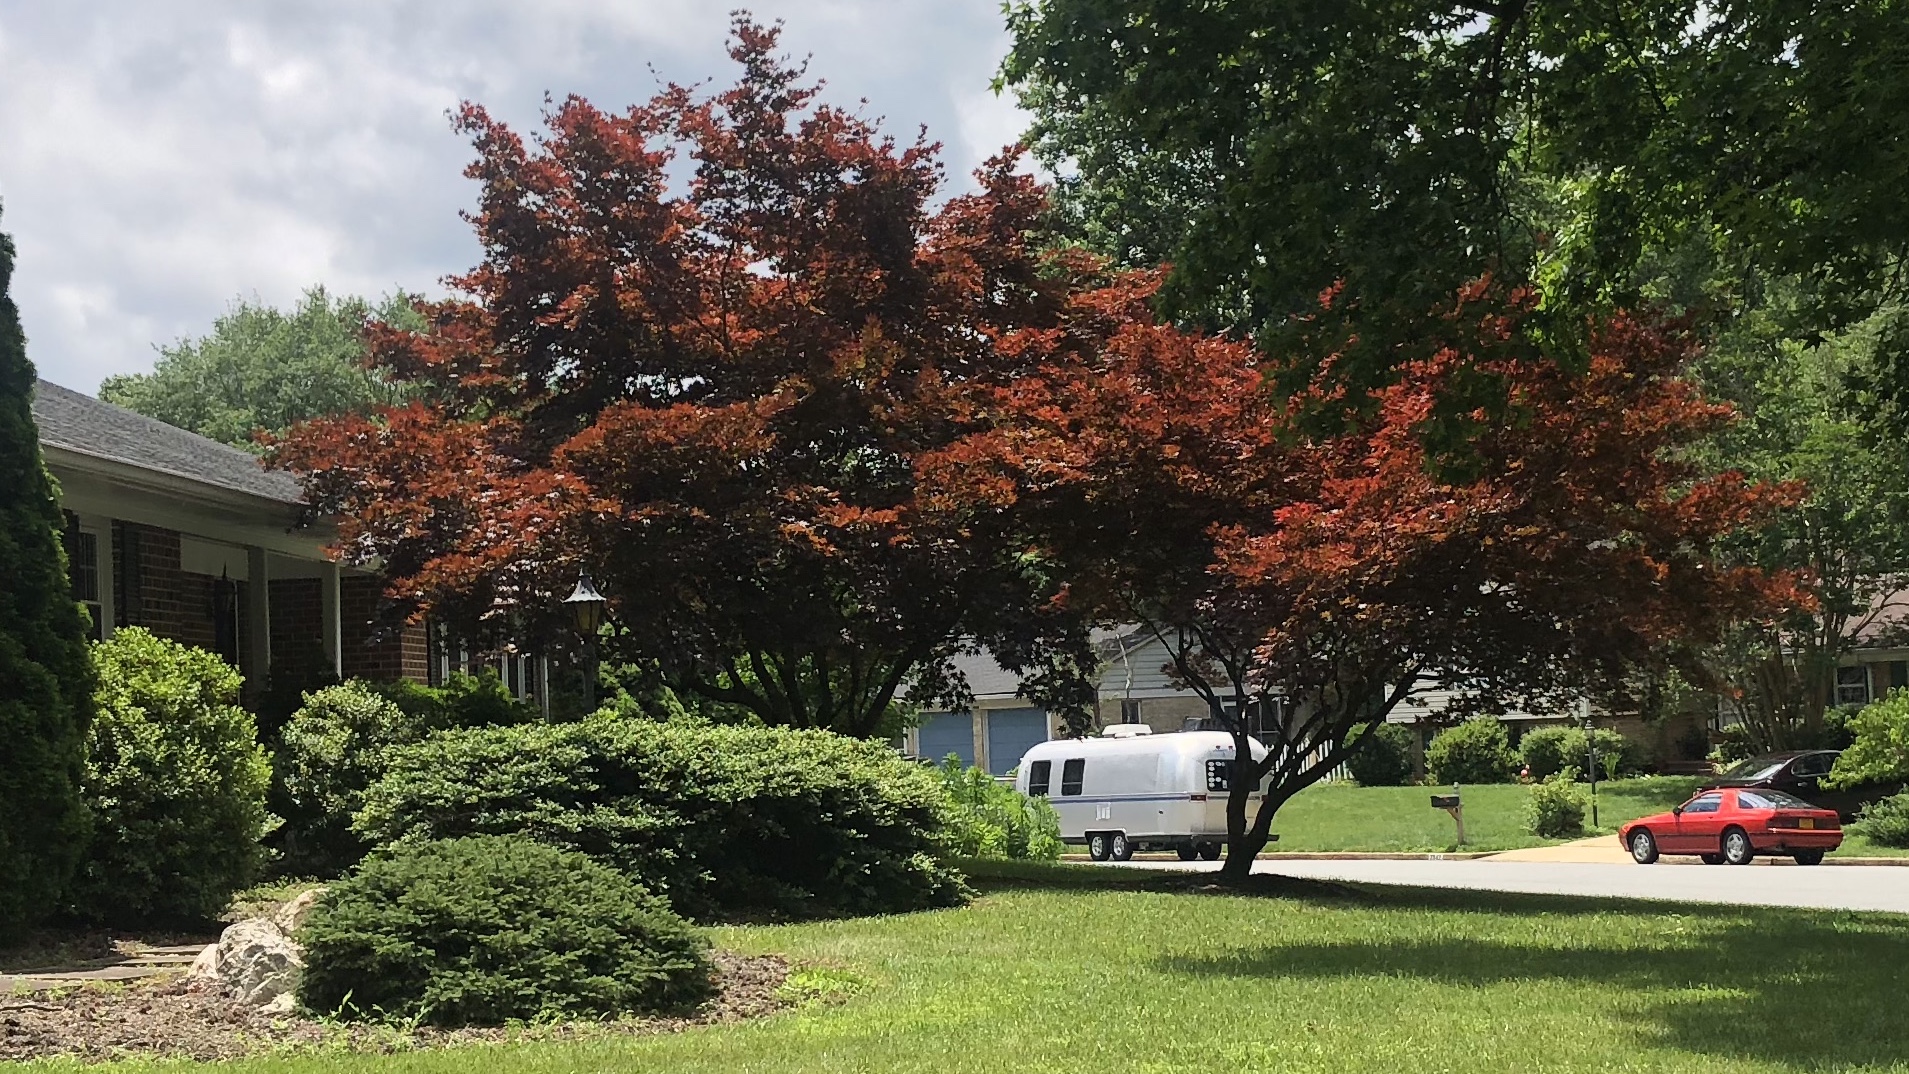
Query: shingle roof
[{"x": 83, "y": 424}]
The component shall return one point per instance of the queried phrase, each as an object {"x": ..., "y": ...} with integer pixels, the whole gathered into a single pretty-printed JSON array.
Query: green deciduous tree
[
  {"x": 1801, "y": 423},
  {"x": 45, "y": 681},
  {"x": 262, "y": 368},
  {"x": 1402, "y": 147}
]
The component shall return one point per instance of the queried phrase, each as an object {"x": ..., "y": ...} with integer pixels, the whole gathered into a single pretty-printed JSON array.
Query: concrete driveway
[{"x": 1819, "y": 887}]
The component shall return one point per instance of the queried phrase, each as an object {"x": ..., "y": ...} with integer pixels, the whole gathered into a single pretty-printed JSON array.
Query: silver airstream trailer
[{"x": 1130, "y": 790}]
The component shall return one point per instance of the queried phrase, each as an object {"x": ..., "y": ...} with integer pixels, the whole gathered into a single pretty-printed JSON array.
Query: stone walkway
[{"x": 136, "y": 961}]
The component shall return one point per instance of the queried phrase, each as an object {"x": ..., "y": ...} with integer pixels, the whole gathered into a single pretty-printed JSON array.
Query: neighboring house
[
  {"x": 1878, "y": 659},
  {"x": 198, "y": 542},
  {"x": 1134, "y": 687}
]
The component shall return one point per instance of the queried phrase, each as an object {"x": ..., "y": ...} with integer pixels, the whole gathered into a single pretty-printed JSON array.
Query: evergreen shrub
[{"x": 1476, "y": 751}]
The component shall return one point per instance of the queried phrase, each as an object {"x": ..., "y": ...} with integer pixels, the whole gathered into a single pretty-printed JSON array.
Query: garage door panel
[
  {"x": 1011, "y": 733},
  {"x": 947, "y": 733}
]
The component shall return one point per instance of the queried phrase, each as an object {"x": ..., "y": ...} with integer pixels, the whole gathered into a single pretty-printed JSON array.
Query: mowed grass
[
  {"x": 1331, "y": 817},
  {"x": 1093, "y": 970}
]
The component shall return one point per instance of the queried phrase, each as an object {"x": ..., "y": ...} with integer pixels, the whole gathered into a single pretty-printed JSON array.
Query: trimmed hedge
[
  {"x": 1549, "y": 750},
  {"x": 486, "y": 930},
  {"x": 724, "y": 820},
  {"x": 1476, "y": 751},
  {"x": 1555, "y": 808},
  {"x": 1384, "y": 759},
  {"x": 176, "y": 782}
]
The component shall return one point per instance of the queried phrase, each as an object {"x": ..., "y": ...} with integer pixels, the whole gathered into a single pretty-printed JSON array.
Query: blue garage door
[
  {"x": 949, "y": 732},
  {"x": 1011, "y": 733}
]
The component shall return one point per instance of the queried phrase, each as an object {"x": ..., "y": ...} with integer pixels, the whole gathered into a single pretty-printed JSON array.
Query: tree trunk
[{"x": 1243, "y": 845}]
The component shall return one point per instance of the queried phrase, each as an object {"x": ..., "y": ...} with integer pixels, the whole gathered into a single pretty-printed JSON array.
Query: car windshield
[
  {"x": 1767, "y": 799},
  {"x": 1755, "y": 768}
]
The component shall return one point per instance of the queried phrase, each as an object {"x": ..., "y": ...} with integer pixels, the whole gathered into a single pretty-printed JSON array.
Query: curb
[{"x": 1481, "y": 855}]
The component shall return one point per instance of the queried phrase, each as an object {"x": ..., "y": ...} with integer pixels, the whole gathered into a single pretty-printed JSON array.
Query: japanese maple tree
[
  {"x": 708, "y": 341},
  {"x": 1306, "y": 582}
]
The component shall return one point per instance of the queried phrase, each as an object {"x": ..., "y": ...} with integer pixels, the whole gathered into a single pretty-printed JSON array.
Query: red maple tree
[
  {"x": 1307, "y": 576},
  {"x": 711, "y": 395}
]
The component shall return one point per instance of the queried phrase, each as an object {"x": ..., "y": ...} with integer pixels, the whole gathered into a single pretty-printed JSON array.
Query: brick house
[{"x": 197, "y": 542}]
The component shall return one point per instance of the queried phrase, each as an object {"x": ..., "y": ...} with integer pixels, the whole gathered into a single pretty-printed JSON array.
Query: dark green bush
[
  {"x": 176, "y": 782},
  {"x": 1885, "y": 822},
  {"x": 1476, "y": 751},
  {"x": 491, "y": 929},
  {"x": 991, "y": 820},
  {"x": 724, "y": 820},
  {"x": 1555, "y": 809},
  {"x": 1549, "y": 750},
  {"x": 480, "y": 700},
  {"x": 1384, "y": 759}
]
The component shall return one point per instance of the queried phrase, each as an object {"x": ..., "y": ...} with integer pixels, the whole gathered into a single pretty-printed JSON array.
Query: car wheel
[
  {"x": 1643, "y": 847},
  {"x": 1809, "y": 857},
  {"x": 1737, "y": 849},
  {"x": 1118, "y": 847},
  {"x": 1209, "y": 852},
  {"x": 1713, "y": 859},
  {"x": 1097, "y": 847},
  {"x": 1187, "y": 851}
]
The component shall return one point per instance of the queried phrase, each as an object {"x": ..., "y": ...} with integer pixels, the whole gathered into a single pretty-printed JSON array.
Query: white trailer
[{"x": 1137, "y": 791}]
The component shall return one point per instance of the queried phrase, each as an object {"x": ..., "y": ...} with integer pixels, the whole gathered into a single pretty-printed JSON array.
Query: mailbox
[
  {"x": 1450, "y": 803},
  {"x": 1445, "y": 801}
]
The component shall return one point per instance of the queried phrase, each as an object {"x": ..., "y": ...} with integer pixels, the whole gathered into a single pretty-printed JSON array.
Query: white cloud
[{"x": 157, "y": 161}]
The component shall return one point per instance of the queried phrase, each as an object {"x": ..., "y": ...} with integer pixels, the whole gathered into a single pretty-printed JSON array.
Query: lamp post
[
  {"x": 1590, "y": 751},
  {"x": 586, "y": 607}
]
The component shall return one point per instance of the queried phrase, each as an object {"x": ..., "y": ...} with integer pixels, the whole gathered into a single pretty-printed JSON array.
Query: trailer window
[
  {"x": 1037, "y": 776},
  {"x": 1071, "y": 772},
  {"x": 1219, "y": 775}
]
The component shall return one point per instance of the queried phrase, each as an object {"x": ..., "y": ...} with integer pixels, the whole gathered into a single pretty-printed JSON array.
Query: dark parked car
[{"x": 1801, "y": 773}]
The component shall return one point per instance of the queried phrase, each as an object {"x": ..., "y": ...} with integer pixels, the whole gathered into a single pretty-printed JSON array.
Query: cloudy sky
[{"x": 158, "y": 160}]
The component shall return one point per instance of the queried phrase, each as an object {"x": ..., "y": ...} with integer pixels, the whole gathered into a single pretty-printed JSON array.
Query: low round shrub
[
  {"x": 1544, "y": 751},
  {"x": 490, "y": 929},
  {"x": 176, "y": 782},
  {"x": 1476, "y": 751},
  {"x": 989, "y": 820},
  {"x": 724, "y": 820},
  {"x": 1384, "y": 759},
  {"x": 1885, "y": 822},
  {"x": 1555, "y": 808},
  {"x": 1549, "y": 750}
]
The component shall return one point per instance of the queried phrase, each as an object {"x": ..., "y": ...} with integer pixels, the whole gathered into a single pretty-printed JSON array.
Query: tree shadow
[{"x": 1772, "y": 986}]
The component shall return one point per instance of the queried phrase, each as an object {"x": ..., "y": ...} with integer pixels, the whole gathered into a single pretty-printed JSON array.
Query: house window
[
  {"x": 1071, "y": 773},
  {"x": 1852, "y": 685},
  {"x": 1898, "y": 674},
  {"x": 1038, "y": 774},
  {"x": 1130, "y": 710},
  {"x": 82, "y": 570}
]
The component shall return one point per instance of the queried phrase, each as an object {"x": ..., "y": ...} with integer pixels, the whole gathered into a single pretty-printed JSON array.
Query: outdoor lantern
[{"x": 586, "y": 606}]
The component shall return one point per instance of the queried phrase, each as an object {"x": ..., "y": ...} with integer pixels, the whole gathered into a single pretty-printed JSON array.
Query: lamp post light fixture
[{"x": 587, "y": 608}]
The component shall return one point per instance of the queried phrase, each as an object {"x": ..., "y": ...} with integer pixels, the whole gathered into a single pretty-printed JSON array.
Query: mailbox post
[{"x": 1450, "y": 803}]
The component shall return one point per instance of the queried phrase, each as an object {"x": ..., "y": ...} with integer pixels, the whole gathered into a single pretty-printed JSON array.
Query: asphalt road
[{"x": 1830, "y": 887}]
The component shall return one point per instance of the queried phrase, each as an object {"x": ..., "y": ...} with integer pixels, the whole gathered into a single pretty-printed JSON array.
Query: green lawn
[
  {"x": 1340, "y": 816},
  {"x": 1343, "y": 817},
  {"x": 1076, "y": 969}
]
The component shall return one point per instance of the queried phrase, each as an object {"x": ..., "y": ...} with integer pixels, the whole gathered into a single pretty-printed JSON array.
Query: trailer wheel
[
  {"x": 1209, "y": 851},
  {"x": 1119, "y": 847},
  {"x": 1097, "y": 846},
  {"x": 1187, "y": 851}
]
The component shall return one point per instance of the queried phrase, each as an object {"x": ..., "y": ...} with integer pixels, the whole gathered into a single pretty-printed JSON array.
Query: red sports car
[{"x": 1734, "y": 826}]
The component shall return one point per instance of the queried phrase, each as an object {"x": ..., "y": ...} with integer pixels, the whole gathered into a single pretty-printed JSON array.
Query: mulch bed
[{"x": 171, "y": 1016}]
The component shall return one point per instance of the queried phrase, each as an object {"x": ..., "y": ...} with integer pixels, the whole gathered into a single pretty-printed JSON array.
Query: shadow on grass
[
  {"x": 1768, "y": 985},
  {"x": 992, "y": 876}
]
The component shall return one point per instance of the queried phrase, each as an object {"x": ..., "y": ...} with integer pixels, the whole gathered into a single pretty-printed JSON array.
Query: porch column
[
  {"x": 258, "y": 617},
  {"x": 329, "y": 617}
]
